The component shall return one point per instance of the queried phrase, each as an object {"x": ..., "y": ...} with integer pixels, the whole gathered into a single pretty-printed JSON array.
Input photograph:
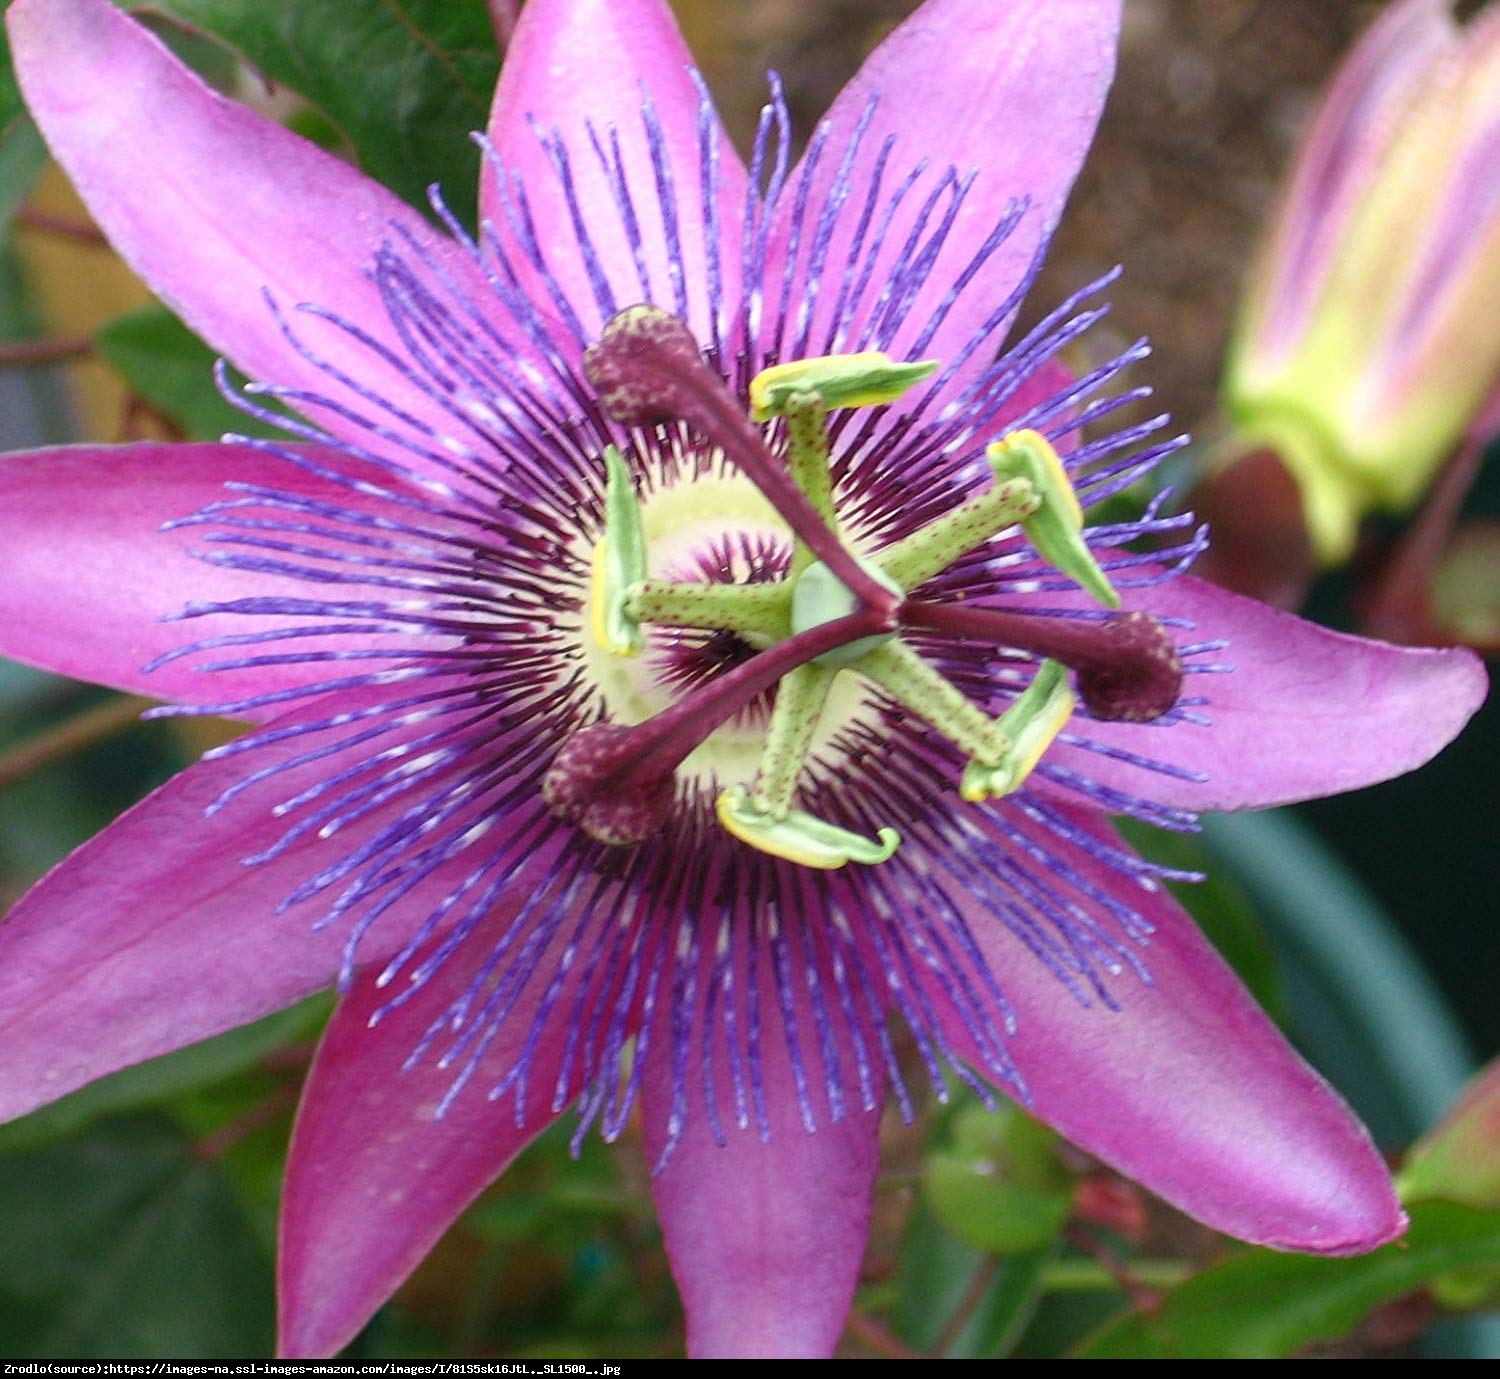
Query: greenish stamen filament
[
  {"x": 799, "y": 703},
  {"x": 807, "y": 458},
  {"x": 917, "y": 558},
  {"x": 915, "y": 685},
  {"x": 619, "y": 562},
  {"x": 760, "y": 613}
]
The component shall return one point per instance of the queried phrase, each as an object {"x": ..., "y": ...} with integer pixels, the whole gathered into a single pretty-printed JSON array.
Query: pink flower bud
[{"x": 1367, "y": 340}]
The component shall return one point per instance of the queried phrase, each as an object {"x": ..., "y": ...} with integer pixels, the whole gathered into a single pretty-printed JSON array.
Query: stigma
[{"x": 835, "y": 609}]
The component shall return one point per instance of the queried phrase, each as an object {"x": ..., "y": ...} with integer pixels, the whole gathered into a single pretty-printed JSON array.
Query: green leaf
[
  {"x": 1261, "y": 1305},
  {"x": 22, "y": 153},
  {"x": 148, "y": 1083},
  {"x": 173, "y": 370},
  {"x": 404, "y": 81},
  {"x": 120, "y": 1244}
]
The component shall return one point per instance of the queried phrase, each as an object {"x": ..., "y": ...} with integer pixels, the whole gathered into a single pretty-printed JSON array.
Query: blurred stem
[
  {"x": 1088, "y": 1276},
  {"x": 874, "y": 1335},
  {"x": 63, "y": 226},
  {"x": 72, "y": 735},
  {"x": 1143, "y": 1297},
  {"x": 979, "y": 1285},
  {"x": 25, "y": 353},
  {"x": 1400, "y": 606},
  {"x": 217, "y": 1143}
]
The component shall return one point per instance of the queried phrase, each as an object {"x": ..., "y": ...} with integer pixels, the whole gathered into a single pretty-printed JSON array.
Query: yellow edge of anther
[
  {"x": 599, "y": 603},
  {"x": 1039, "y": 445},
  {"x": 771, "y": 843},
  {"x": 1043, "y": 733}
]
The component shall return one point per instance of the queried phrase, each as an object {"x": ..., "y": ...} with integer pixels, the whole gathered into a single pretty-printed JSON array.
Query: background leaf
[
  {"x": 173, "y": 370},
  {"x": 22, "y": 153},
  {"x": 123, "y": 1243},
  {"x": 1261, "y": 1305},
  {"x": 404, "y": 81}
]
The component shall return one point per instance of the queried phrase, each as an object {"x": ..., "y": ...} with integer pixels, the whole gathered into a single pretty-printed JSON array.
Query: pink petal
[
  {"x": 1305, "y": 712},
  {"x": 154, "y": 934},
  {"x": 1187, "y": 1088},
  {"x": 212, "y": 204},
  {"x": 87, "y": 576},
  {"x": 577, "y": 68},
  {"x": 765, "y": 1238},
  {"x": 1012, "y": 88},
  {"x": 374, "y": 1177}
]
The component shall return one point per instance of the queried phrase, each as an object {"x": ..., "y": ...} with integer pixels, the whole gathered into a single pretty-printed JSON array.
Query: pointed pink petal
[
  {"x": 154, "y": 935},
  {"x": 1012, "y": 88},
  {"x": 212, "y": 204},
  {"x": 765, "y": 1238},
  {"x": 374, "y": 1178},
  {"x": 1187, "y": 1088},
  {"x": 586, "y": 69},
  {"x": 87, "y": 576},
  {"x": 1305, "y": 712}
]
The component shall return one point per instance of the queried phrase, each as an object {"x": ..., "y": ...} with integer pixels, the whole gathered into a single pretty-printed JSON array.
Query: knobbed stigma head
[
  {"x": 641, "y": 366},
  {"x": 1136, "y": 676},
  {"x": 591, "y": 784}
]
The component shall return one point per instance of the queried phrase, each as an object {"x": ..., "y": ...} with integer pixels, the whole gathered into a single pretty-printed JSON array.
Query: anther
[
  {"x": 799, "y": 837},
  {"x": 619, "y": 563},
  {"x": 868, "y": 379},
  {"x": 1056, "y": 527},
  {"x": 1029, "y": 727}
]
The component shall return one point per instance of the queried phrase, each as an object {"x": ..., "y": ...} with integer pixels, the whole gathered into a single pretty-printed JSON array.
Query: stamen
[
  {"x": 648, "y": 369},
  {"x": 915, "y": 685},
  {"x": 1127, "y": 666},
  {"x": 807, "y": 460},
  {"x": 868, "y": 379},
  {"x": 799, "y": 837},
  {"x": 799, "y": 704},
  {"x": 753, "y": 611},
  {"x": 1056, "y": 527},
  {"x": 933, "y": 548},
  {"x": 1030, "y": 726},
  {"x": 619, "y": 563}
]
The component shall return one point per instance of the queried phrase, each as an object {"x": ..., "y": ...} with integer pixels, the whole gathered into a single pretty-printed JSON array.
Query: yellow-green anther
[
  {"x": 619, "y": 562},
  {"x": 819, "y": 596},
  {"x": 1056, "y": 528},
  {"x": 915, "y": 685},
  {"x": 869, "y": 379},
  {"x": 799, "y": 703},
  {"x": 761, "y": 613},
  {"x": 1031, "y": 725},
  {"x": 799, "y": 837},
  {"x": 932, "y": 549}
]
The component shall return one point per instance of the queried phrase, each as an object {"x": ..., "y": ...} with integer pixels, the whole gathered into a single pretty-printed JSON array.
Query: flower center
[{"x": 822, "y": 612}]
